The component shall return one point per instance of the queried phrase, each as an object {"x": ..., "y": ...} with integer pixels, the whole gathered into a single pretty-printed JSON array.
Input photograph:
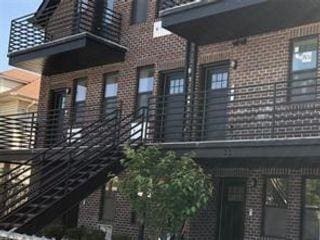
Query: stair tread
[
  {"x": 25, "y": 214},
  {"x": 50, "y": 196},
  {"x": 11, "y": 225}
]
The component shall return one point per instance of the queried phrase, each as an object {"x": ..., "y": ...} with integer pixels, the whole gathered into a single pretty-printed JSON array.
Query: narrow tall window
[
  {"x": 108, "y": 206},
  {"x": 110, "y": 93},
  {"x": 311, "y": 210},
  {"x": 303, "y": 69},
  {"x": 79, "y": 99},
  {"x": 276, "y": 207},
  {"x": 139, "y": 11},
  {"x": 145, "y": 86}
]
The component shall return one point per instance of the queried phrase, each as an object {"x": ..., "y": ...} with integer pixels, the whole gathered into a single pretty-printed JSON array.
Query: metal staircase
[{"x": 55, "y": 180}]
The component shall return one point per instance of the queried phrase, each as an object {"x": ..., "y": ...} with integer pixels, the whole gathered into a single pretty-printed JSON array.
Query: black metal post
[{"x": 274, "y": 109}]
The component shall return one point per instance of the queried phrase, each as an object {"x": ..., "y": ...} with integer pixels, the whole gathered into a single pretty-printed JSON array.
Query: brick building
[{"x": 234, "y": 81}]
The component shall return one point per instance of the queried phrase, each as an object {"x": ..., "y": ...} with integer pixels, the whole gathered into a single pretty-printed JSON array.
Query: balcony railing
[
  {"x": 60, "y": 21},
  {"x": 46, "y": 128},
  {"x": 169, "y": 4},
  {"x": 262, "y": 111}
]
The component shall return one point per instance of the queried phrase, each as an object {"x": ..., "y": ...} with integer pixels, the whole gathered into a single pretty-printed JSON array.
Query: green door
[{"x": 232, "y": 209}]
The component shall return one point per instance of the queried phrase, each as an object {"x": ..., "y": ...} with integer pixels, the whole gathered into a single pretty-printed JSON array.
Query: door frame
[
  {"x": 219, "y": 203},
  {"x": 204, "y": 90},
  {"x": 162, "y": 91}
]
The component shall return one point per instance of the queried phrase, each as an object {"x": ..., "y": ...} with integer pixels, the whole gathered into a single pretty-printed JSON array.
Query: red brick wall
[{"x": 263, "y": 59}]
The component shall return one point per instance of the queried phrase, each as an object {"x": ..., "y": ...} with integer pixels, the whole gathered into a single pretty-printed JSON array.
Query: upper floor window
[
  {"x": 303, "y": 69},
  {"x": 311, "y": 210},
  {"x": 219, "y": 80},
  {"x": 79, "y": 98},
  {"x": 176, "y": 84},
  {"x": 145, "y": 86},
  {"x": 110, "y": 93},
  {"x": 276, "y": 207},
  {"x": 139, "y": 11}
]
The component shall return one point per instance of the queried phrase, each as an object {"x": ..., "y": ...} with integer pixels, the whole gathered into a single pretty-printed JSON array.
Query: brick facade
[{"x": 263, "y": 59}]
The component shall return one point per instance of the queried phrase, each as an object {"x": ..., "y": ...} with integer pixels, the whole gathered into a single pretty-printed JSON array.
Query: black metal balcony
[
  {"x": 43, "y": 129},
  {"x": 66, "y": 37},
  {"x": 210, "y": 21},
  {"x": 253, "y": 112},
  {"x": 262, "y": 111}
]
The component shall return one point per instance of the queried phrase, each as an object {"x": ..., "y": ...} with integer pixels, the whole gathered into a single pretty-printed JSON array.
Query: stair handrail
[
  {"x": 123, "y": 119},
  {"x": 54, "y": 153},
  {"x": 62, "y": 142},
  {"x": 94, "y": 158}
]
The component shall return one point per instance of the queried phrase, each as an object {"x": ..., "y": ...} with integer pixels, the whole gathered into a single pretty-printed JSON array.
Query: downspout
[{"x": 191, "y": 60}]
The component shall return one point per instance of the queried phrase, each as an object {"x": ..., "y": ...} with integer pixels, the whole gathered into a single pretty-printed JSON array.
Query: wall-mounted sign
[{"x": 159, "y": 31}]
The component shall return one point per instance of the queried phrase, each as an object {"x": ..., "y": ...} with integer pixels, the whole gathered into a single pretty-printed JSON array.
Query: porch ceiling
[{"x": 298, "y": 152}]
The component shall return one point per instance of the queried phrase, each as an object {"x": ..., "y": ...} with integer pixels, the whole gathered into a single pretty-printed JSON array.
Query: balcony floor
[
  {"x": 68, "y": 54},
  {"x": 206, "y": 22},
  {"x": 294, "y": 152}
]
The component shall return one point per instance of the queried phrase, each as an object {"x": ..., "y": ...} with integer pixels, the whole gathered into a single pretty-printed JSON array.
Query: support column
[{"x": 190, "y": 76}]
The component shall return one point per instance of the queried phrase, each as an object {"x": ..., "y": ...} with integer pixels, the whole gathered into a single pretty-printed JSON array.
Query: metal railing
[
  {"x": 45, "y": 128},
  {"x": 62, "y": 20},
  {"x": 262, "y": 111},
  {"x": 80, "y": 159},
  {"x": 169, "y": 4}
]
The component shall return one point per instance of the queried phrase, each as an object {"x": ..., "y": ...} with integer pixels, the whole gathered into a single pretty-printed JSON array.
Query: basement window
[
  {"x": 311, "y": 210},
  {"x": 276, "y": 207}
]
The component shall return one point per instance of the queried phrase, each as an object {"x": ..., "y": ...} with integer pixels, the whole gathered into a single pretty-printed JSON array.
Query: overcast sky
[{"x": 11, "y": 9}]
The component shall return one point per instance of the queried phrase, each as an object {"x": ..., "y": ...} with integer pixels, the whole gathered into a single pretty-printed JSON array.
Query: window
[
  {"x": 311, "y": 210},
  {"x": 303, "y": 69},
  {"x": 145, "y": 86},
  {"x": 176, "y": 84},
  {"x": 79, "y": 99},
  {"x": 139, "y": 11},
  {"x": 275, "y": 210},
  {"x": 217, "y": 76},
  {"x": 219, "y": 80},
  {"x": 110, "y": 93}
]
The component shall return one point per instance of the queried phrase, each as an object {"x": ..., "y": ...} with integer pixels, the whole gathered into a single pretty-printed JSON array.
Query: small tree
[{"x": 165, "y": 190}]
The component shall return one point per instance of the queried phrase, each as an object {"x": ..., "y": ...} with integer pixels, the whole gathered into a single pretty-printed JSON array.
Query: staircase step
[
  {"x": 52, "y": 197},
  {"x": 80, "y": 180},
  {"x": 34, "y": 205},
  {"x": 28, "y": 215},
  {"x": 86, "y": 172},
  {"x": 6, "y": 225},
  {"x": 63, "y": 188}
]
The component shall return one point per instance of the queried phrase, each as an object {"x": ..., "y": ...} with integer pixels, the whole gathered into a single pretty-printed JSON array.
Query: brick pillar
[
  {"x": 294, "y": 205},
  {"x": 254, "y": 204}
]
